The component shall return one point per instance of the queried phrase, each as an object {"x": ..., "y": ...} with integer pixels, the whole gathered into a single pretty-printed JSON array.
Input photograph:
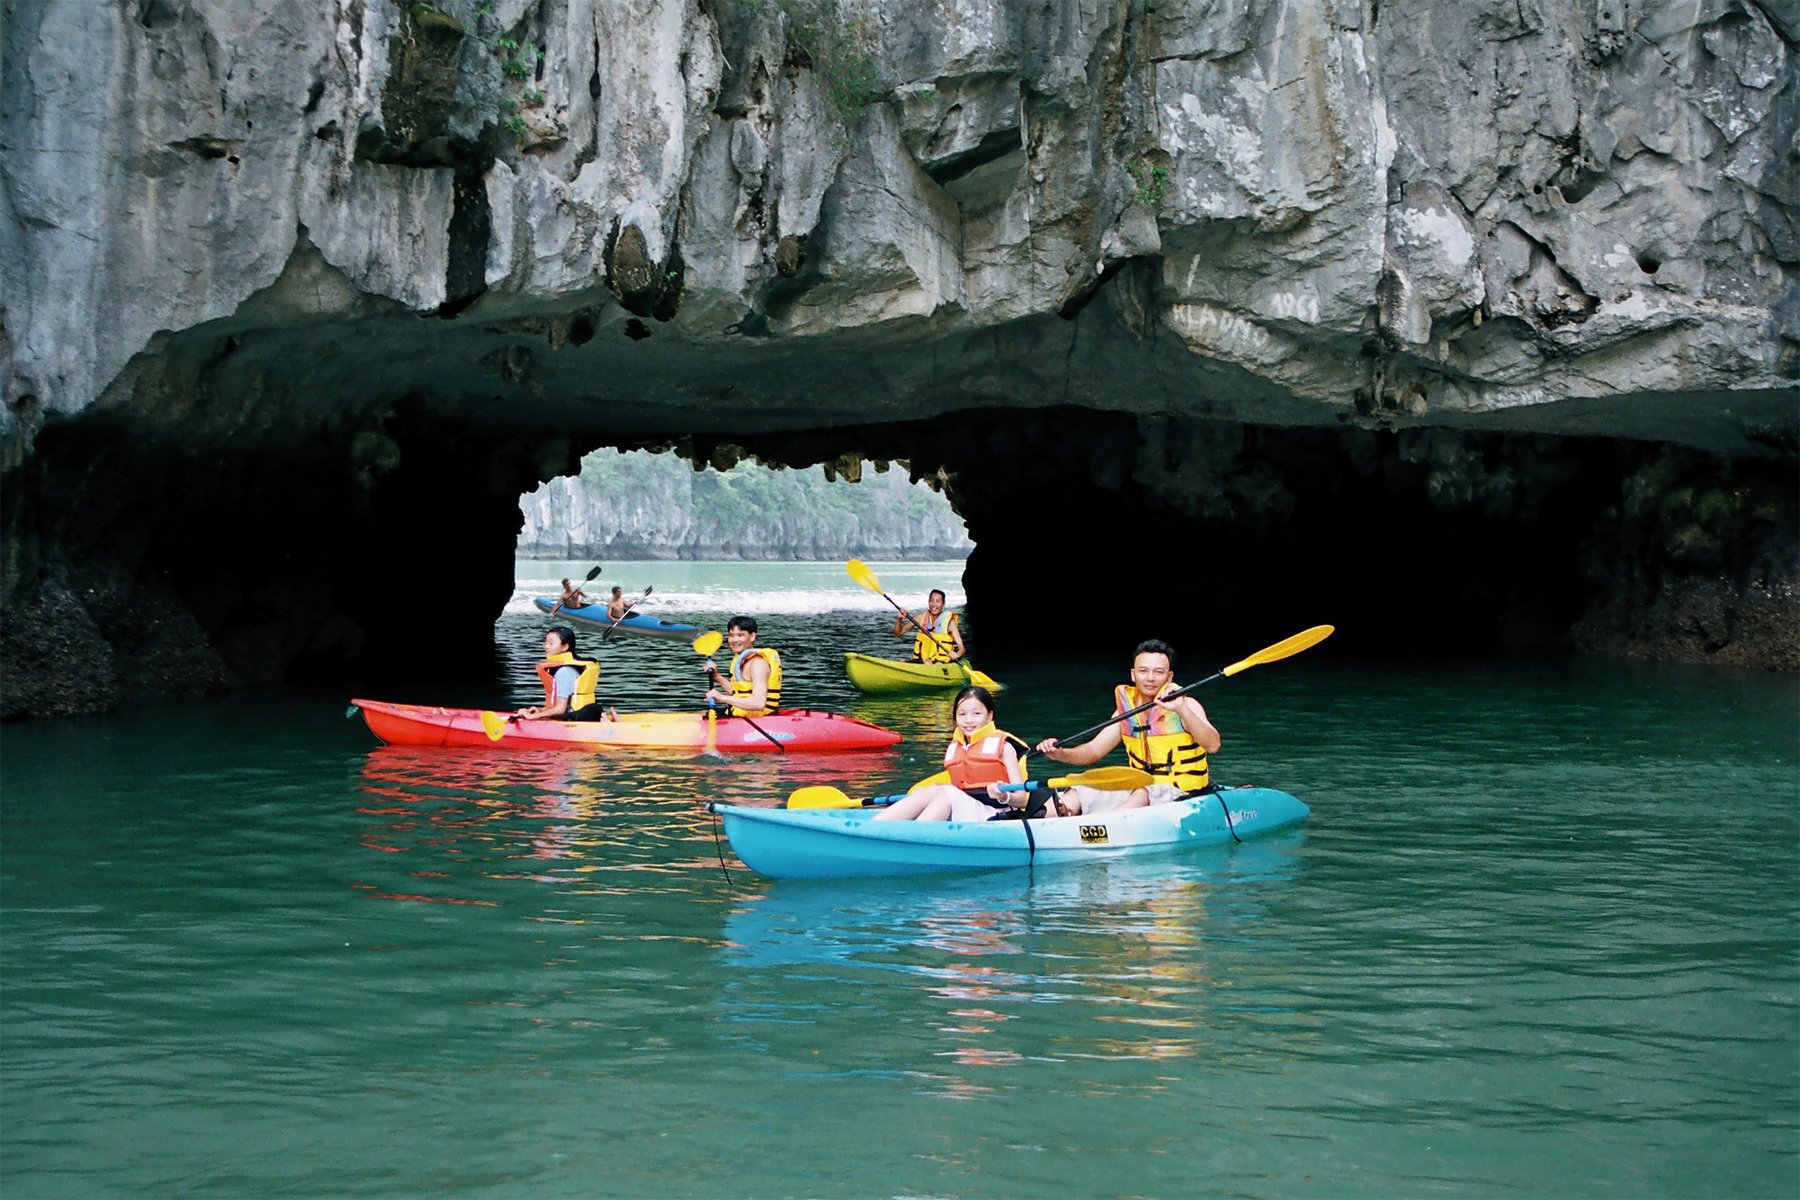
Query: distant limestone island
[{"x": 645, "y": 506}]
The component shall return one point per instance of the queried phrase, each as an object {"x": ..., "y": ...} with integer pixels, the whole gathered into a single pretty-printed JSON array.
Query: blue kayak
[
  {"x": 836, "y": 843},
  {"x": 595, "y": 614}
]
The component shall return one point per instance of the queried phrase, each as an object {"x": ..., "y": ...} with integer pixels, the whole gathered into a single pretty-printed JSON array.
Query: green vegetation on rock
[{"x": 646, "y": 505}]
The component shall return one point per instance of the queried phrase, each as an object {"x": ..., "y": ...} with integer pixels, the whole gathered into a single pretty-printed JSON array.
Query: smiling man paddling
[
  {"x": 755, "y": 676},
  {"x": 1170, "y": 740}
]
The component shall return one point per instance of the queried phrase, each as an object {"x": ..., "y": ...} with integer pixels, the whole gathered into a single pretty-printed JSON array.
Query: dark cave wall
[
  {"x": 377, "y": 543},
  {"x": 141, "y": 565},
  {"x": 1417, "y": 543}
]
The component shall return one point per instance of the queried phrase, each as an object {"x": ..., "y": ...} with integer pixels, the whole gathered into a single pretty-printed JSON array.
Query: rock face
[
  {"x": 644, "y": 506},
  {"x": 314, "y": 292}
]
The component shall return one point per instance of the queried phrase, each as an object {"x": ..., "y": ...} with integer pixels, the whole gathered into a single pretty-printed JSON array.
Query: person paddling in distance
[
  {"x": 570, "y": 682},
  {"x": 616, "y": 608},
  {"x": 754, "y": 684},
  {"x": 936, "y": 635},
  {"x": 1171, "y": 740},
  {"x": 573, "y": 596},
  {"x": 980, "y": 757}
]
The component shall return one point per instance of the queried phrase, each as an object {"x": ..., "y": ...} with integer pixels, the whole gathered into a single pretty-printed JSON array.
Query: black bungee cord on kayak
[
  {"x": 1218, "y": 794},
  {"x": 719, "y": 846}
]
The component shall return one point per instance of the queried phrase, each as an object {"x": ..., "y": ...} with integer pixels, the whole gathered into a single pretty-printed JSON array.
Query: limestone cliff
[
  {"x": 317, "y": 290},
  {"x": 647, "y": 506}
]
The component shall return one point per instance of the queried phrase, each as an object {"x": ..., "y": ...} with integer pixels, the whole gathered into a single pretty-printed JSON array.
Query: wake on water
[{"x": 739, "y": 587}]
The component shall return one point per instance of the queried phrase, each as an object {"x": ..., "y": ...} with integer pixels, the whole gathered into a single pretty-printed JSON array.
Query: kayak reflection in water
[
  {"x": 936, "y": 635},
  {"x": 1171, "y": 740},
  {"x": 979, "y": 758}
]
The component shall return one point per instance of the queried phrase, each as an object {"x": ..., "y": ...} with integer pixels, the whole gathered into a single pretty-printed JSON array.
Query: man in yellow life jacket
[
  {"x": 755, "y": 679},
  {"x": 1171, "y": 741},
  {"x": 570, "y": 682},
  {"x": 936, "y": 635}
]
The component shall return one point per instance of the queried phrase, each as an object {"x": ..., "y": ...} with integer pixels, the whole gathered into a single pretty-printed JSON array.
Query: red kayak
[{"x": 796, "y": 729}]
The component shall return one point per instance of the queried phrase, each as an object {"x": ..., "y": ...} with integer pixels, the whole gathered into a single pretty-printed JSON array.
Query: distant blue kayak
[
  {"x": 836, "y": 843},
  {"x": 595, "y": 614}
]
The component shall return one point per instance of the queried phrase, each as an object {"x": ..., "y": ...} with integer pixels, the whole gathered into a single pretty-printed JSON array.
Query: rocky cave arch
[
  {"x": 1466, "y": 327},
  {"x": 255, "y": 504}
]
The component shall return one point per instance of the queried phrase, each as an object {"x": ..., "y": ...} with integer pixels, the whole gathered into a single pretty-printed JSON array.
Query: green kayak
[{"x": 888, "y": 675}]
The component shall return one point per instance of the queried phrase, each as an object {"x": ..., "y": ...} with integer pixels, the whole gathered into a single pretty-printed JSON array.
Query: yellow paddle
[
  {"x": 1115, "y": 779},
  {"x": 1280, "y": 650},
  {"x": 494, "y": 725},
  {"x": 865, "y": 578},
  {"x": 704, "y": 645}
]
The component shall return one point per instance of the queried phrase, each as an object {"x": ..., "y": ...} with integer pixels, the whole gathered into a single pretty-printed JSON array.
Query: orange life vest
[{"x": 973, "y": 763}]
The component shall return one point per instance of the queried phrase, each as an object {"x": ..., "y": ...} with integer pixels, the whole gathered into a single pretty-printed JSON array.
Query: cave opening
[{"x": 301, "y": 556}]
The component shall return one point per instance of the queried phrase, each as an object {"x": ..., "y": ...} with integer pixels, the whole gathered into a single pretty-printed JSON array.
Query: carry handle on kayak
[{"x": 1280, "y": 650}]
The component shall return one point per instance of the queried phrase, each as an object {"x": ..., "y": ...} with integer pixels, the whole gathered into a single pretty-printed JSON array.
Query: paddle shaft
[
  {"x": 773, "y": 740},
  {"x": 624, "y": 614},
  {"x": 935, "y": 640},
  {"x": 1286, "y": 648},
  {"x": 1091, "y": 730}
]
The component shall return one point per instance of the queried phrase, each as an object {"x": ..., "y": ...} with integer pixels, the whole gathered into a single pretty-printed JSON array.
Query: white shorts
[
  {"x": 967, "y": 808},
  {"x": 1093, "y": 800}
]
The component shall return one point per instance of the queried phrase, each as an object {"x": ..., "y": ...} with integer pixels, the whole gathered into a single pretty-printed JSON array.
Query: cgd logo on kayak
[{"x": 1092, "y": 834}]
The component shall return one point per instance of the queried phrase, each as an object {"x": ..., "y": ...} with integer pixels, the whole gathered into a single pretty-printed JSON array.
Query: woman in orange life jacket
[
  {"x": 979, "y": 758},
  {"x": 569, "y": 682},
  {"x": 1170, "y": 741}
]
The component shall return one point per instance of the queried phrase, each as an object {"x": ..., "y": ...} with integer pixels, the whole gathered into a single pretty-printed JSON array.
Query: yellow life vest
[
  {"x": 586, "y": 684},
  {"x": 942, "y": 648},
  {"x": 1155, "y": 741},
  {"x": 740, "y": 686}
]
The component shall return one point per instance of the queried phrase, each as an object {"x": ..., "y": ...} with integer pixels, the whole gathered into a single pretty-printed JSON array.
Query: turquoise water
[{"x": 1540, "y": 937}]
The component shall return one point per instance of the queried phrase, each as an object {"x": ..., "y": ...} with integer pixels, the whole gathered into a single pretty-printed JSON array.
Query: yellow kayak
[{"x": 870, "y": 674}]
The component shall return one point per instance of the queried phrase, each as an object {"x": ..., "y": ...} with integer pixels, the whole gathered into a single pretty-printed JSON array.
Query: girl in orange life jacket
[
  {"x": 978, "y": 760},
  {"x": 569, "y": 681},
  {"x": 1171, "y": 741}
]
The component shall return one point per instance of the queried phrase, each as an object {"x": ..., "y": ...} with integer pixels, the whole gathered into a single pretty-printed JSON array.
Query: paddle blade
[
  {"x": 821, "y": 796},
  {"x": 982, "y": 679},
  {"x": 1107, "y": 779},
  {"x": 931, "y": 781},
  {"x": 859, "y": 571},
  {"x": 707, "y": 642},
  {"x": 593, "y": 574},
  {"x": 494, "y": 725},
  {"x": 1281, "y": 650},
  {"x": 1110, "y": 779}
]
